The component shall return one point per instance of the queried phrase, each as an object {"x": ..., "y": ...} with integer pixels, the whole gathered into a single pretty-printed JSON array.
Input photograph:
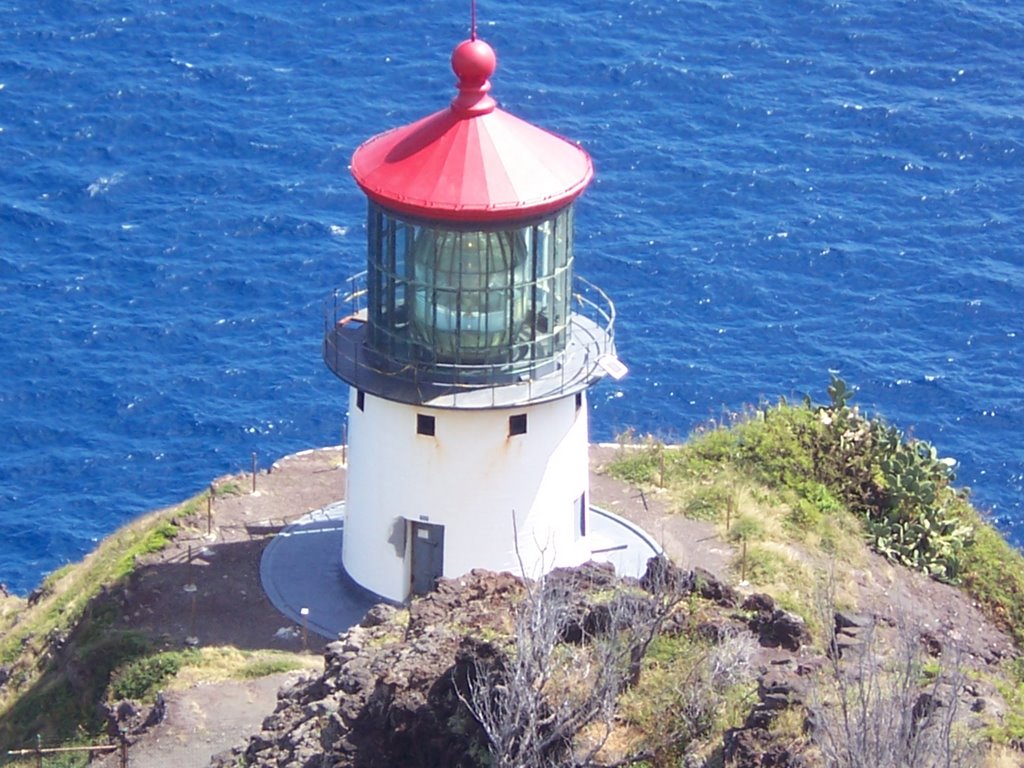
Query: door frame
[{"x": 426, "y": 555}]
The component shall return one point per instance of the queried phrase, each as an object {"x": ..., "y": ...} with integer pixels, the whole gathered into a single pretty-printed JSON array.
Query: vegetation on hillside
[
  {"x": 61, "y": 647},
  {"x": 799, "y": 485},
  {"x": 835, "y": 471},
  {"x": 67, "y": 651}
]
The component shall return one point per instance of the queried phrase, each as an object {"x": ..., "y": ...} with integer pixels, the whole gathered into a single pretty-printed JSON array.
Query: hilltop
[{"x": 784, "y": 561}]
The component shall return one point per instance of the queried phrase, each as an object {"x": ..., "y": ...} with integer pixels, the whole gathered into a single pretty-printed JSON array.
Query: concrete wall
[{"x": 470, "y": 477}]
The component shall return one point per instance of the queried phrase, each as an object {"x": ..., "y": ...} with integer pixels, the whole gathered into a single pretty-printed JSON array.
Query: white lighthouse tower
[{"x": 468, "y": 347}]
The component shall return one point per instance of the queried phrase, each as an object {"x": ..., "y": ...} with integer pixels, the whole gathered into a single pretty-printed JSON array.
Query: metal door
[{"x": 427, "y": 555}]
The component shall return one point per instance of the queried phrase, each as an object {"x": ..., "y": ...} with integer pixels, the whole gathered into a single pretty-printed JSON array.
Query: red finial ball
[{"x": 473, "y": 62}]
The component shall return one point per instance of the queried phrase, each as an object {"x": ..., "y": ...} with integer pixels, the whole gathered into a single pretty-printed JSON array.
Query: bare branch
[
  {"x": 880, "y": 706},
  {"x": 549, "y": 699}
]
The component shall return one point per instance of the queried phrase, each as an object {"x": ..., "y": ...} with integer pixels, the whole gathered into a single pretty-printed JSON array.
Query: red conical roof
[{"x": 471, "y": 161}]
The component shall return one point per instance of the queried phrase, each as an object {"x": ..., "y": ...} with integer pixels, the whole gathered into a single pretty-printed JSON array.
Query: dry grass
[
  {"x": 1002, "y": 757},
  {"x": 217, "y": 664},
  {"x": 788, "y": 543}
]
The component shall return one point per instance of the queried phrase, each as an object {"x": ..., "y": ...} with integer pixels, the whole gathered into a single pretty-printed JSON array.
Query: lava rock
[
  {"x": 710, "y": 587},
  {"x": 127, "y": 718},
  {"x": 775, "y": 627},
  {"x": 847, "y": 619},
  {"x": 662, "y": 574}
]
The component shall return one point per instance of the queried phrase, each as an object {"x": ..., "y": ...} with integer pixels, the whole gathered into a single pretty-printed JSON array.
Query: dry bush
[
  {"x": 885, "y": 704},
  {"x": 568, "y": 662}
]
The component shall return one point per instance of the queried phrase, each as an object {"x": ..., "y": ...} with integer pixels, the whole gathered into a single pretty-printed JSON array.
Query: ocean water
[{"x": 784, "y": 189}]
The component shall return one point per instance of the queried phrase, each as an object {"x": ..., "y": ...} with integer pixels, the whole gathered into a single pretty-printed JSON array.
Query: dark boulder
[{"x": 775, "y": 627}]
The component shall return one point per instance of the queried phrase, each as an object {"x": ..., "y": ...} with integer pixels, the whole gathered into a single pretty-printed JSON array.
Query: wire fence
[
  {"x": 68, "y": 756},
  {"x": 182, "y": 751}
]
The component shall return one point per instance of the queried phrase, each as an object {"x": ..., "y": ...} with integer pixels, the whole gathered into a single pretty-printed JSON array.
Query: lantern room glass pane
[
  {"x": 465, "y": 302},
  {"x": 470, "y": 297}
]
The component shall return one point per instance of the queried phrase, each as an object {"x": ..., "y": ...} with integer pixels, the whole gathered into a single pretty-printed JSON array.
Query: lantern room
[{"x": 469, "y": 277}]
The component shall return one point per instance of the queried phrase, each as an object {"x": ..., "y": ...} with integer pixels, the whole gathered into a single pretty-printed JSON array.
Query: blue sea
[{"x": 785, "y": 188}]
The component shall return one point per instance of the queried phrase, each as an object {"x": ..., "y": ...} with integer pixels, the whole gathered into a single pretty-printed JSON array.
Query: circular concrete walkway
[{"x": 302, "y": 573}]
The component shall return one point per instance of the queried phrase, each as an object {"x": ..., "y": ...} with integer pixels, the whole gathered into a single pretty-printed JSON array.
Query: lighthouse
[{"x": 468, "y": 346}]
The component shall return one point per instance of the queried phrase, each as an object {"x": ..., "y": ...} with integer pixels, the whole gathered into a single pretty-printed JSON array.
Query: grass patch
[
  {"x": 746, "y": 528},
  {"x": 762, "y": 566},
  {"x": 690, "y": 690},
  {"x": 649, "y": 462},
  {"x": 217, "y": 664},
  {"x": 257, "y": 668},
  {"x": 711, "y": 502},
  {"x": 155, "y": 541},
  {"x": 142, "y": 678},
  {"x": 227, "y": 488}
]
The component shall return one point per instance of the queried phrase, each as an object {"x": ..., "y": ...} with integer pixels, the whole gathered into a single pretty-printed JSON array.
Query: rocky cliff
[{"x": 395, "y": 690}]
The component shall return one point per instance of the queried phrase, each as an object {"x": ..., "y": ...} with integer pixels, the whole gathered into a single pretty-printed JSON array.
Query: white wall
[{"x": 469, "y": 477}]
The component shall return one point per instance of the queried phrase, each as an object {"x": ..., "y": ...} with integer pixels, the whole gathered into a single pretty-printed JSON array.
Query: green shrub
[
  {"x": 804, "y": 515},
  {"x": 917, "y": 522},
  {"x": 708, "y": 503},
  {"x": 776, "y": 445},
  {"x": 705, "y": 454},
  {"x": 746, "y": 528},
  {"x": 832, "y": 457},
  {"x": 689, "y": 690},
  {"x": 142, "y": 678}
]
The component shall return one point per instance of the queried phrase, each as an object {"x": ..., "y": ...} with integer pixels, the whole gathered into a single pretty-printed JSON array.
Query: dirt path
[
  {"x": 230, "y": 607},
  {"x": 690, "y": 543},
  {"x": 203, "y": 721}
]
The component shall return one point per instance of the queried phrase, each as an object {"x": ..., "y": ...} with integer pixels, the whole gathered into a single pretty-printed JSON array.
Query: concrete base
[{"x": 301, "y": 567}]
